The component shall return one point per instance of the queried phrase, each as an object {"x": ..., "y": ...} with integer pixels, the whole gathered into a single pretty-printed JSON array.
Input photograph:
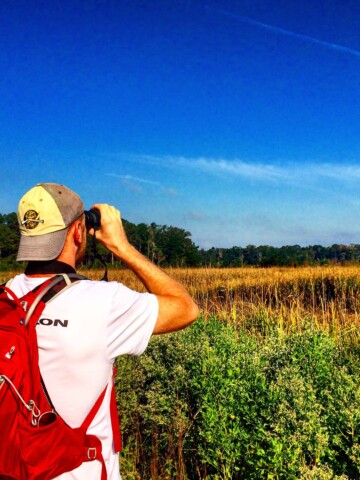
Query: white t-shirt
[{"x": 80, "y": 333}]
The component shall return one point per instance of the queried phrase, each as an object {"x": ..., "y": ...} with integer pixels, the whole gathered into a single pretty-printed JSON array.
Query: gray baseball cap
[{"x": 45, "y": 213}]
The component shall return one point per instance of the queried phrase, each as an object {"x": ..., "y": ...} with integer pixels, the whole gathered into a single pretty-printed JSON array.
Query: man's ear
[{"x": 78, "y": 232}]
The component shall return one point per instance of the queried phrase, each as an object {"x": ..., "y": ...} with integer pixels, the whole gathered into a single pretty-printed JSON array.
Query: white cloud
[
  {"x": 240, "y": 169},
  {"x": 337, "y": 172},
  {"x": 287, "y": 173},
  {"x": 284, "y": 32},
  {"x": 281, "y": 172},
  {"x": 132, "y": 183},
  {"x": 170, "y": 191},
  {"x": 130, "y": 178},
  {"x": 197, "y": 216}
]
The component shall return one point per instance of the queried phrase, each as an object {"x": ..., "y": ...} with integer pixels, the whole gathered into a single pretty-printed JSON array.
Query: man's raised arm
[{"x": 176, "y": 308}]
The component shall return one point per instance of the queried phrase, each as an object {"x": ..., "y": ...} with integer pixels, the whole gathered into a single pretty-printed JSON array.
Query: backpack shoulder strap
[
  {"x": 91, "y": 415},
  {"x": 67, "y": 280},
  {"x": 115, "y": 424},
  {"x": 50, "y": 288}
]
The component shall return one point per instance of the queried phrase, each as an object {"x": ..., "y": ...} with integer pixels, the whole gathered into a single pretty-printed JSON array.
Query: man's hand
[
  {"x": 111, "y": 233},
  {"x": 176, "y": 307}
]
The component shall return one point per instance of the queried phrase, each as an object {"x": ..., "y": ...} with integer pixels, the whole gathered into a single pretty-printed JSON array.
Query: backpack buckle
[
  {"x": 10, "y": 353},
  {"x": 91, "y": 453},
  {"x": 24, "y": 305}
]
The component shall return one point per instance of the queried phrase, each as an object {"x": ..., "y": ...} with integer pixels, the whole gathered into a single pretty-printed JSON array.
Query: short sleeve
[{"x": 131, "y": 321}]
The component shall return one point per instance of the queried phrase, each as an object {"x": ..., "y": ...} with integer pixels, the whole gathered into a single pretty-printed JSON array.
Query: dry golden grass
[{"x": 259, "y": 298}]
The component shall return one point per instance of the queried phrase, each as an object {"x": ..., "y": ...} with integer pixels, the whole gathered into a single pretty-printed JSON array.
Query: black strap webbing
[{"x": 73, "y": 277}]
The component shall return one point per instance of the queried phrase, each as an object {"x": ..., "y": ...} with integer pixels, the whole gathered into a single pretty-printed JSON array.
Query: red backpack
[{"x": 36, "y": 443}]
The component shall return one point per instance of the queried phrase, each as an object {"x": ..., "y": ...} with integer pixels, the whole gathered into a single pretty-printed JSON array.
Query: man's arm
[{"x": 176, "y": 308}]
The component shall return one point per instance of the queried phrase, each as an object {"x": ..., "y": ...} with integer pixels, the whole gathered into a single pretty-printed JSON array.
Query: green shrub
[{"x": 213, "y": 402}]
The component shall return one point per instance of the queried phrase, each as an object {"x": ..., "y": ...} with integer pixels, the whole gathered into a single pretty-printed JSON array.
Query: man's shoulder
[
  {"x": 91, "y": 289},
  {"x": 25, "y": 283},
  {"x": 84, "y": 284},
  {"x": 100, "y": 288},
  {"x": 97, "y": 284}
]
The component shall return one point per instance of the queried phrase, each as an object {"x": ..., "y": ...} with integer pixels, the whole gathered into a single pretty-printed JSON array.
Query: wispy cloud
[
  {"x": 280, "y": 172},
  {"x": 135, "y": 184},
  {"x": 196, "y": 216},
  {"x": 171, "y": 191},
  {"x": 293, "y": 173},
  {"x": 217, "y": 166},
  {"x": 238, "y": 168},
  {"x": 283, "y": 31},
  {"x": 337, "y": 172},
  {"x": 130, "y": 178}
]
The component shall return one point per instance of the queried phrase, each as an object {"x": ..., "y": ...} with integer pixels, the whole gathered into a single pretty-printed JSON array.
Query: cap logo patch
[{"x": 31, "y": 220}]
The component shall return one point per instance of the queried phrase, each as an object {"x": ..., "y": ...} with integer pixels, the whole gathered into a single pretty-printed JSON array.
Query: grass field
[
  {"x": 326, "y": 294},
  {"x": 265, "y": 385},
  {"x": 254, "y": 298}
]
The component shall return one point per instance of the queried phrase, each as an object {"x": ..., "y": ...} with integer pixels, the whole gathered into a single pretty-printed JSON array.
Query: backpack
[{"x": 36, "y": 443}]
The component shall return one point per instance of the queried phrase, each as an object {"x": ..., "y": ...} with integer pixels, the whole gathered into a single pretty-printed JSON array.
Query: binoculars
[{"x": 92, "y": 219}]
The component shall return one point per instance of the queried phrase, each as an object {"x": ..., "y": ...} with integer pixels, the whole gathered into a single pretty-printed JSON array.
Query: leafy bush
[{"x": 213, "y": 402}]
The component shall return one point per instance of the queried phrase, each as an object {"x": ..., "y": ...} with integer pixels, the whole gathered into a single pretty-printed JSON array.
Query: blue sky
[{"x": 236, "y": 120}]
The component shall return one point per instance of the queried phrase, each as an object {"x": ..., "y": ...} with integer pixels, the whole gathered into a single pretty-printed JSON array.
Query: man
[{"x": 84, "y": 328}]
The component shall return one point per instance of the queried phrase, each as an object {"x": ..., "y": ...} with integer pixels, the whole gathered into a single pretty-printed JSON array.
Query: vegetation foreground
[{"x": 265, "y": 385}]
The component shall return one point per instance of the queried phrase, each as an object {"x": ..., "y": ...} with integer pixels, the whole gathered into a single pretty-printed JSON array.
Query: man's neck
[{"x": 47, "y": 269}]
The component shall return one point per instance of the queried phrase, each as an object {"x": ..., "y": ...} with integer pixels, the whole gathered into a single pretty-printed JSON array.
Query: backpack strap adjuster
[
  {"x": 92, "y": 453},
  {"x": 24, "y": 305}
]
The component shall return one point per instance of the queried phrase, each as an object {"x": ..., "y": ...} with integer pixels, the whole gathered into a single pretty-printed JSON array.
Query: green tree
[{"x": 9, "y": 236}]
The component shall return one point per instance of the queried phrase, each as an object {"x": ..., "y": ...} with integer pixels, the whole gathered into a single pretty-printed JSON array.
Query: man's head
[{"x": 45, "y": 214}]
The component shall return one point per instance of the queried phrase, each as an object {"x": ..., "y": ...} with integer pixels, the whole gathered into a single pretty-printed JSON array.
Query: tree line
[
  {"x": 162, "y": 244},
  {"x": 287, "y": 256},
  {"x": 173, "y": 246}
]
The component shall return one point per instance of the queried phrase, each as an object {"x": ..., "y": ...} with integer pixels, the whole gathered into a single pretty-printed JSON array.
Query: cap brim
[{"x": 41, "y": 247}]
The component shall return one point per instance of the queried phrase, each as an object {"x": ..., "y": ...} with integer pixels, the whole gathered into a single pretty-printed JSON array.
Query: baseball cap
[{"x": 44, "y": 214}]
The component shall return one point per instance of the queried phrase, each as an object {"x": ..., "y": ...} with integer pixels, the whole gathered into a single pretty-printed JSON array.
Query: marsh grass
[
  {"x": 261, "y": 299},
  {"x": 252, "y": 298}
]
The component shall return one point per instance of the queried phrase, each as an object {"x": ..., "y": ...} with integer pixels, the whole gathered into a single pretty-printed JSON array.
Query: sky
[{"x": 236, "y": 120}]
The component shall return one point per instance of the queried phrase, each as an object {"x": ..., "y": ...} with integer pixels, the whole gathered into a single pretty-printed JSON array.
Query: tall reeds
[{"x": 258, "y": 298}]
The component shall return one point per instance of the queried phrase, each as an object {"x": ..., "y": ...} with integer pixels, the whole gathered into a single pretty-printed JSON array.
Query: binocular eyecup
[{"x": 92, "y": 219}]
